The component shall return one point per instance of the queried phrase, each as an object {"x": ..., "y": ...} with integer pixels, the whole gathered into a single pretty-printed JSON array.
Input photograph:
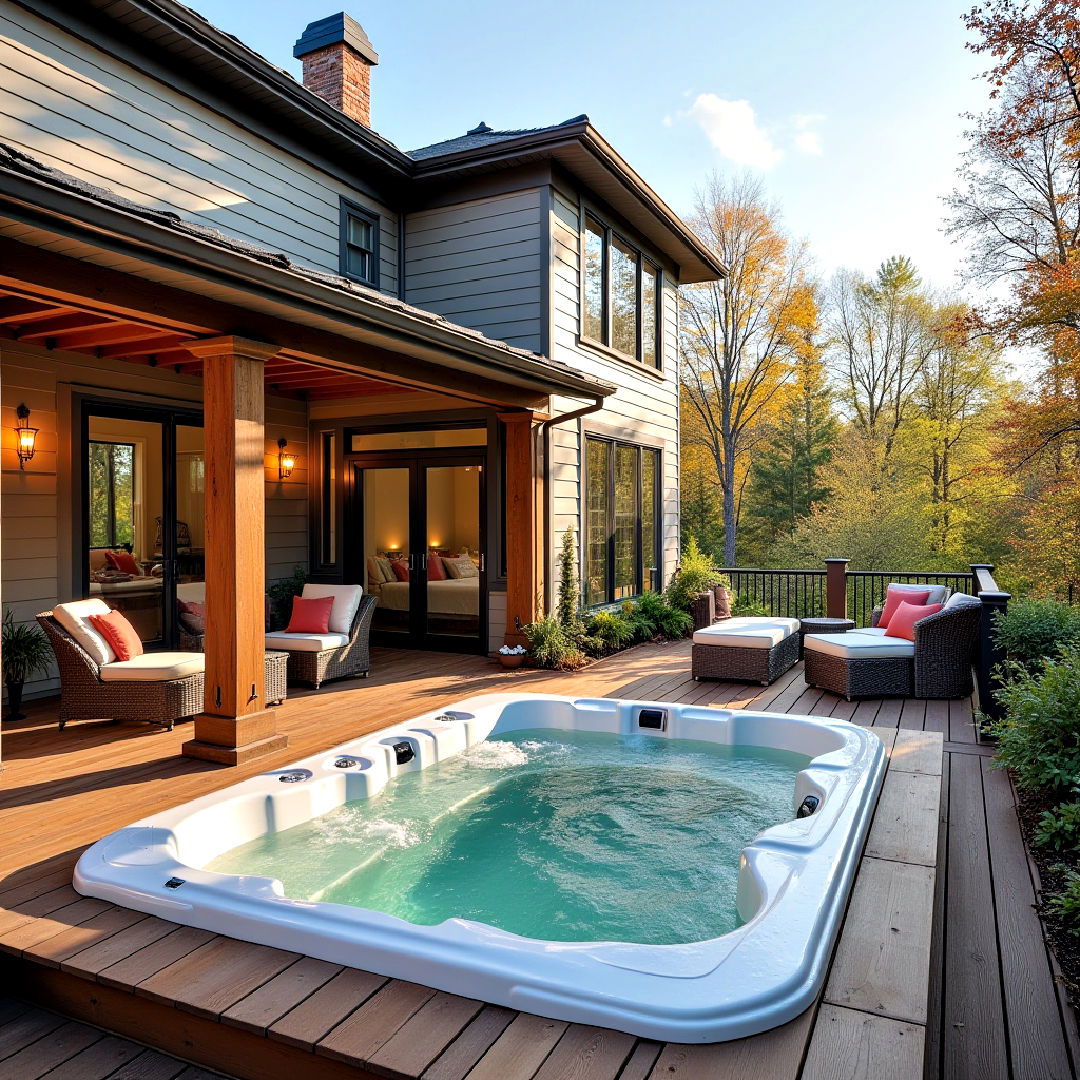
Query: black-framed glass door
[
  {"x": 140, "y": 489},
  {"x": 416, "y": 527}
]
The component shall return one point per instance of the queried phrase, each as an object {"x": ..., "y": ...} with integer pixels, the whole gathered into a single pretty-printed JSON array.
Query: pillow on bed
[
  {"x": 374, "y": 571},
  {"x": 384, "y": 568},
  {"x": 461, "y": 568},
  {"x": 401, "y": 569},
  {"x": 436, "y": 568}
]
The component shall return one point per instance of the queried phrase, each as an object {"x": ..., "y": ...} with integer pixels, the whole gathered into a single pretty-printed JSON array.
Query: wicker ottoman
[
  {"x": 745, "y": 650},
  {"x": 855, "y": 664}
]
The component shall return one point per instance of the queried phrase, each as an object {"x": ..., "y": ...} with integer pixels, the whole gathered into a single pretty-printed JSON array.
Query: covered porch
[
  {"x": 995, "y": 1007},
  {"x": 255, "y": 352}
]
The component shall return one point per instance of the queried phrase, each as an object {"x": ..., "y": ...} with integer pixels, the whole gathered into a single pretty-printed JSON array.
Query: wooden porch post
[
  {"x": 235, "y": 725},
  {"x": 523, "y": 503},
  {"x": 836, "y": 588}
]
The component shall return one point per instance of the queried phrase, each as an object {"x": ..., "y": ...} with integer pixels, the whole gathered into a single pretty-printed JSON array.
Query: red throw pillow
[
  {"x": 894, "y": 598},
  {"x": 310, "y": 615},
  {"x": 435, "y": 569},
  {"x": 902, "y": 624},
  {"x": 123, "y": 561},
  {"x": 119, "y": 633},
  {"x": 400, "y": 568}
]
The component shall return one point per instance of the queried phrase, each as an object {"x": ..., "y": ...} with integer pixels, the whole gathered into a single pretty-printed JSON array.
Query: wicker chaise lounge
[
  {"x": 867, "y": 663},
  {"x": 318, "y": 658},
  {"x": 86, "y": 695}
]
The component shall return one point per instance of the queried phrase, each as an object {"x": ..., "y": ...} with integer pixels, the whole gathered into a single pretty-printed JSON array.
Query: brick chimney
[{"x": 338, "y": 59}]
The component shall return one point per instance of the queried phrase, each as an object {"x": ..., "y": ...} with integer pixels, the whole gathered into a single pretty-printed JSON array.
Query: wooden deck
[{"x": 993, "y": 1009}]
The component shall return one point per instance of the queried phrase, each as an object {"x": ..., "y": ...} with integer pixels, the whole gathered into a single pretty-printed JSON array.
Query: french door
[
  {"x": 142, "y": 486},
  {"x": 417, "y": 537}
]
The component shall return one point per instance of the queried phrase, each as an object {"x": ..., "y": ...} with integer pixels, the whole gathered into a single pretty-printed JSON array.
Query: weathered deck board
[{"x": 95, "y": 778}]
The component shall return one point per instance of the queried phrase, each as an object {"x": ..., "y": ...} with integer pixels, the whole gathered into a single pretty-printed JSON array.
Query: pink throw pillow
[
  {"x": 400, "y": 568},
  {"x": 902, "y": 624},
  {"x": 894, "y": 598},
  {"x": 310, "y": 615},
  {"x": 122, "y": 561},
  {"x": 435, "y": 569}
]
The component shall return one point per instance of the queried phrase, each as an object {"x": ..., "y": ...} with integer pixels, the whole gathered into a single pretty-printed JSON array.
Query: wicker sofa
[
  {"x": 349, "y": 659},
  {"x": 936, "y": 665},
  {"x": 85, "y": 695}
]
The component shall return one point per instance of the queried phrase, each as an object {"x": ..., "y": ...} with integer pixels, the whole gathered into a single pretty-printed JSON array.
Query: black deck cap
[{"x": 330, "y": 31}]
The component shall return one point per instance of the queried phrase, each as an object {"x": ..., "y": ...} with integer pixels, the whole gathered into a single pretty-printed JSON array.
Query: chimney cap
[{"x": 330, "y": 31}]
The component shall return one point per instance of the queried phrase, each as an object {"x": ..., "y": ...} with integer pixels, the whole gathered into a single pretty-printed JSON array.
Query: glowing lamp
[
  {"x": 25, "y": 435},
  {"x": 286, "y": 462}
]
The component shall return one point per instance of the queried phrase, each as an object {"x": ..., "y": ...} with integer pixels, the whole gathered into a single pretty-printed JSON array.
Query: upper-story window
[
  {"x": 359, "y": 244},
  {"x": 620, "y": 295}
]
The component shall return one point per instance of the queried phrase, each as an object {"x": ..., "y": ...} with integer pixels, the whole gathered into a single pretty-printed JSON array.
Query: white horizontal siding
[
  {"x": 92, "y": 116},
  {"x": 479, "y": 264}
]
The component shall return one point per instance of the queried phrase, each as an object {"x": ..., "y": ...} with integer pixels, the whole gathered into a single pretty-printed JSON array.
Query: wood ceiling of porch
[{"x": 36, "y": 319}]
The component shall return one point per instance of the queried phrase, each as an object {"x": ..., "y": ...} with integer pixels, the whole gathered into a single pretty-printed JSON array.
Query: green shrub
[
  {"x": 1066, "y": 904},
  {"x": 607, "y": 632},
  {"x": 568, "y": 608},
  {"x": 281, "y": 593},
  {"x": 1059, "y": 829},
  {"x": 694, "y": 576},
  {"x": 652, "y": 616},
  {"x": 551, "y": 646},
  {"x": 1032, "y": 631},
  {"x": 743, "y": 605},
  {"x": 1039, "y": 736}
]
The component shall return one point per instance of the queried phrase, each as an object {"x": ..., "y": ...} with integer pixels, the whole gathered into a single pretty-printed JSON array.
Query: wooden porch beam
[
  {"x": 236, "y": 725},
  {"x": 523, "y": 500}
]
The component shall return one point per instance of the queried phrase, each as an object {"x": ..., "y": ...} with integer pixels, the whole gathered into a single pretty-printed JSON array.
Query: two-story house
[{"x": 241, "y": 332}]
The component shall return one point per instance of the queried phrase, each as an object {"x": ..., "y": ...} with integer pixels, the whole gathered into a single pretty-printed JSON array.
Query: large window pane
[
  {"x": 624, "y": 301},
  {"x": 626, "y": 507},
  {"x": 649, "y": 538},
  {"x": 596, "y": 521},
  {"x": 648, "y": 315},
  {"x": 112, "y": 494},
  {"x": 593, "y": 299}
]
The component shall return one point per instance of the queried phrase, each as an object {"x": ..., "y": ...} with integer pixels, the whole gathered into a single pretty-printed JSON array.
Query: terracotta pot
[
  {"x": 723, "y": 601},
  {"x": 513, "y": 661}
]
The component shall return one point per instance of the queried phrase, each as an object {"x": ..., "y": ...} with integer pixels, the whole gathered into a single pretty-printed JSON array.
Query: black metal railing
[
  {"x": 866, "y": 588},
  {"x": 788, "y": 594}
]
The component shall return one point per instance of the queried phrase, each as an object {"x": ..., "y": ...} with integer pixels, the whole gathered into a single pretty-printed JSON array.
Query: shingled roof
[{"x": 482, "y": 136}]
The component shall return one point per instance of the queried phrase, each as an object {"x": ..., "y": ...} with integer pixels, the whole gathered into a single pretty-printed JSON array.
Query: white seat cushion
[
  {"x": 873, "y": 631},
  {"x": 191, "y": 592},
  {"x": 306, "y": 642},
  {"x": 346, "y": 601},
  {"x": 154, "y": 667},
  {"x": 747, "y": 632},
  {"x": 855, "y": 645},
  {"x": 74, "y": 617}
]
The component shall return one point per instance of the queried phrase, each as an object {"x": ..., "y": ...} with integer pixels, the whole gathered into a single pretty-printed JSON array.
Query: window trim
[
  {"x": 350, "y": 209},
  {"x": 639, "y": 554},
  {"x": 607, "y": 233}
]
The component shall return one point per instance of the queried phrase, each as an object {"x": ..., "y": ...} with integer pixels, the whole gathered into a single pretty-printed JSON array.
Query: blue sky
[{"x": 850, "y": 110}]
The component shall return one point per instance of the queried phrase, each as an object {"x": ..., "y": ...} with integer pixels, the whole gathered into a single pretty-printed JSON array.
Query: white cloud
[
  {"x": 732, "y": 128},
  {"x": 809, "y": 142},
  {"x": 807, "y": 120},
  {"x": 667, "y": 121}
]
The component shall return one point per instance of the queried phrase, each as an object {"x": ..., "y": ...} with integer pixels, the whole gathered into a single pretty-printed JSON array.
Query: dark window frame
[
  {"x": 608, "y": 234},
  {"x": 113, "y": 543},
  {"x": 639, "y": 559},
  {"x": 350, "y": 210}
]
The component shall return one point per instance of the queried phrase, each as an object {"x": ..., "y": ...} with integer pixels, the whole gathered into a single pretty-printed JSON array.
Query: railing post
[
  {"x": 989, "y": 653},
  {"x": 836, "y": 588}
]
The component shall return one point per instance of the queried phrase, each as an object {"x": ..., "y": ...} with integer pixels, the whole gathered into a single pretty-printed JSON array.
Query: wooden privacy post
[
  {"x": 522, "y": 506},
  {"x": 235, "y": 725},
  {"x": 836, "y": 588},
  {"x": 989, "y": 654}
]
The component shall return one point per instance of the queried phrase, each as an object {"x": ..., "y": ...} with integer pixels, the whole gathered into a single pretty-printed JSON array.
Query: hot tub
[{"x": 765, "y": 940}]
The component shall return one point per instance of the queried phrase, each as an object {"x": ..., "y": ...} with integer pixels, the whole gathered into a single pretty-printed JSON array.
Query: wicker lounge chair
[
  {"x": 351, "y": 659},
  {"x": 84, "y": 695},
  {"x": 936, "y": 665},
  {"x": 745, "y": 650}
]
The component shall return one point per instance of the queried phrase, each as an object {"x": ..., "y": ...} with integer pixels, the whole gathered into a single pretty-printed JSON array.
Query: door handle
[{"x": 481, "y": 562}]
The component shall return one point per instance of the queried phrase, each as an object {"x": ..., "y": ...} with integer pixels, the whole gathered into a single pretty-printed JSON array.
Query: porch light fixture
[
  {"x": 26, "y": 436},
  {"x": 286, "y": 462}
]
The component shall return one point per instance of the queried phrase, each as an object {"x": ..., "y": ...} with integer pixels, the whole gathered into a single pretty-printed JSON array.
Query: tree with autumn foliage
[{"x": 740, "y": 336}]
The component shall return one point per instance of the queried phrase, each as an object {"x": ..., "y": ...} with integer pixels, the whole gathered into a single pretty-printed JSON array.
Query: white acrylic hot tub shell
[{"x": 793, "y": 885}]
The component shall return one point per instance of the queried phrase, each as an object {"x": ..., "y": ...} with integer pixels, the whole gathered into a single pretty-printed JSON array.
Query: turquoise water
[{"x": 563, "y": 836}]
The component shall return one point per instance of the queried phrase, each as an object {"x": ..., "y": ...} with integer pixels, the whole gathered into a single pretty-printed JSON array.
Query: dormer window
[
  {"x": 359, "y": 244},
  {"x": 620, "y": 295}
]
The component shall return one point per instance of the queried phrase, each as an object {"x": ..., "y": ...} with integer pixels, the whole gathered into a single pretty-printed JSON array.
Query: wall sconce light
[
  {"x": 286, "y": 462},
  {"x": 26, "y": 435}
]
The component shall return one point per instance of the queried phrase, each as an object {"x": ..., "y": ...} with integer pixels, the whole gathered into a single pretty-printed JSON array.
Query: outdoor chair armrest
[
  {"x": 955, "y": 628},
  {"x": 875, "y": 615}
]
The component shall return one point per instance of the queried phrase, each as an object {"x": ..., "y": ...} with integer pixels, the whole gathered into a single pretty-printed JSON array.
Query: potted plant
[
  {"x": 26, "y": 652},
  {"x": 512, "y": 657}
]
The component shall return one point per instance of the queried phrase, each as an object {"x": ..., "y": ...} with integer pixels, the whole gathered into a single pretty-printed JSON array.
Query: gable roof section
[{"x": 177, "y": 36}]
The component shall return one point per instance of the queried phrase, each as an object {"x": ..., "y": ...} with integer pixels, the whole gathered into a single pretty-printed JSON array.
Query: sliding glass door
[
  {"x": 417, "y": 533},
  {"x": 141, "y": 536}
]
